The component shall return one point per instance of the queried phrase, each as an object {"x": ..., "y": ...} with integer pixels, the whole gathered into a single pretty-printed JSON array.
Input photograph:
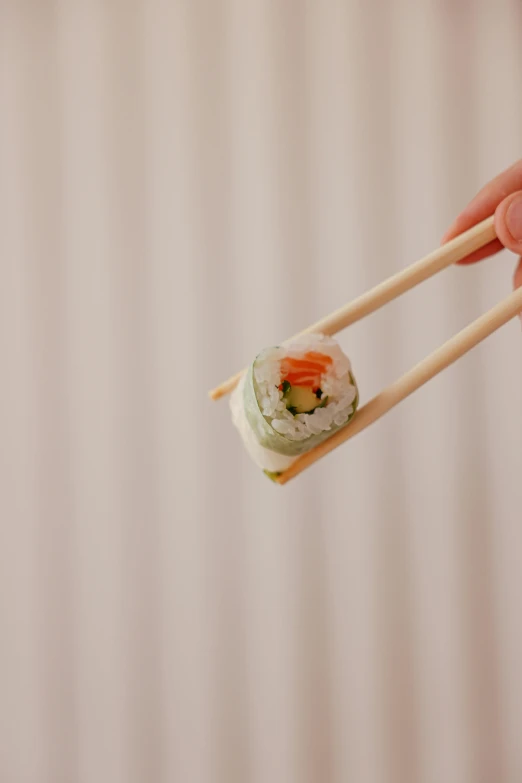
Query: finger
[
  {"x": 484, "y": 252},
  {"x": 508, "y": 225},
  {"x": 487, "y": 200},
  {"x": 508, "y": 222}
]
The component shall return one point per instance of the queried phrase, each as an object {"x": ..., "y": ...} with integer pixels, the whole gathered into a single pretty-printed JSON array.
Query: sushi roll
[{"x": 291, "y": 398}]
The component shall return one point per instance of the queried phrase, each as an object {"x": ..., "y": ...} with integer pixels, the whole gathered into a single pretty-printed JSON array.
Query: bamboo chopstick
[
  {"x": 390, "y": 289},
  {"x": 423, "y": 372}
]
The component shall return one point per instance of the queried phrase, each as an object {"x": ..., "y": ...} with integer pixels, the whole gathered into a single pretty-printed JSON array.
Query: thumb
[{"x": 508, "y": 222}]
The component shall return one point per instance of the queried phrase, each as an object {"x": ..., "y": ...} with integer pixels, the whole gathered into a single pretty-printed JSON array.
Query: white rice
[
  {"x": 336, "y": 384},
  {"x": 264, "y": 458}
]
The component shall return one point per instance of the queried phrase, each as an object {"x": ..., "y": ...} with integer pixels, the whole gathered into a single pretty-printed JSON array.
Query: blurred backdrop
[{"x": 181, "y": 184}]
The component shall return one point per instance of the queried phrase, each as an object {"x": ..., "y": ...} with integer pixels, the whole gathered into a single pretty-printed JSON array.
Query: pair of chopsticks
[{"x": 455, "y": 250}]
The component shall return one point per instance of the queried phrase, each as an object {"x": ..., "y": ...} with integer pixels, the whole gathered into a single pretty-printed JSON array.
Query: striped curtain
[{"x": 183, "y": 182}]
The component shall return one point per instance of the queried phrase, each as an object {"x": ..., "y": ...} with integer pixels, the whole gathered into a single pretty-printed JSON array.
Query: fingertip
[
  {"x": 467, "y": 219},
  {"x": 453, "y": 231}
]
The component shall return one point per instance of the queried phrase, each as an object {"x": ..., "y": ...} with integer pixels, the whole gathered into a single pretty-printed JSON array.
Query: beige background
[{"x": 181, "y": 184}]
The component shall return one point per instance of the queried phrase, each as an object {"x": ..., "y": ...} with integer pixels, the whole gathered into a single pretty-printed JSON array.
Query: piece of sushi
[{"x": 291, "y": 398}]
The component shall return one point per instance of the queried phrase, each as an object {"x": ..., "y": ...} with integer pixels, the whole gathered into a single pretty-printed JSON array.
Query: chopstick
[
  {"x": 423, "y": 372},
  {"x": 390, "y": 289}
]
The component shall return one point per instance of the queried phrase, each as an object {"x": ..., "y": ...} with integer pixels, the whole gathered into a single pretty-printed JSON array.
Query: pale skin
[{"x": 503, "y": 197}]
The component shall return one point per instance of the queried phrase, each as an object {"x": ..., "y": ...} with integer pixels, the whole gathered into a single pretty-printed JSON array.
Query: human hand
[{"x": 503, "y": 197}]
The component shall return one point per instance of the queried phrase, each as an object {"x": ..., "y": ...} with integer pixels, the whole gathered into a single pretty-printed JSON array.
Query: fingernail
[{"x": 514, "y": 219}]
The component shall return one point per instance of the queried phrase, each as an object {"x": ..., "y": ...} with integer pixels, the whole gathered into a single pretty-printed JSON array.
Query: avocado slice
[
  {"x": 272, "y": 474},
  {"x": 301, "y": 399}
]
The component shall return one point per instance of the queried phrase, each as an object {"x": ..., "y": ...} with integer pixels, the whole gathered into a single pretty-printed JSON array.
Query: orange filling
[{"x": 305, "y": 371}]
